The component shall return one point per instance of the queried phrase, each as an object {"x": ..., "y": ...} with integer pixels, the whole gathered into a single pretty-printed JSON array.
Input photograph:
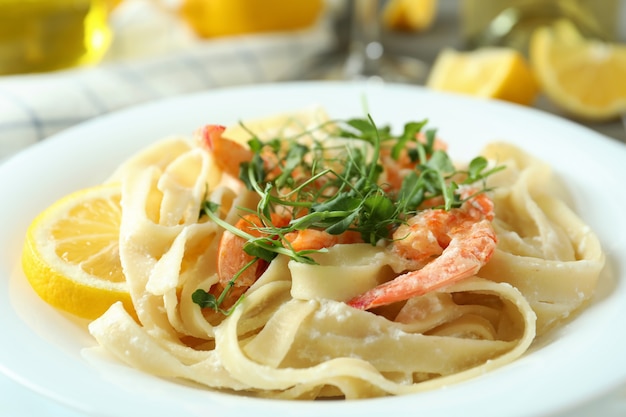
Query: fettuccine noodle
[{"x": 293, "y": 336}]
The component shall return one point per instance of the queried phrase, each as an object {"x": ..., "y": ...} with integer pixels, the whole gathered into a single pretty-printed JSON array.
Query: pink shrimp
[
  {"x": 312, "y": 239},
  {"x": 397, "y": 169},
  {"x": 231, "y": 257},
  {"x": 453, "y": 244},
  {"x": 228, "y": 154}
]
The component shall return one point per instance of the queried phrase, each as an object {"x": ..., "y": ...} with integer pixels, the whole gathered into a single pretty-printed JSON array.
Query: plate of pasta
[{"x": 317, "y": 249}]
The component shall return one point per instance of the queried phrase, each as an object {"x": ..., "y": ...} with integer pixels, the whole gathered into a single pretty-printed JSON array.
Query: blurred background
[{"x": 66, "y": 61}]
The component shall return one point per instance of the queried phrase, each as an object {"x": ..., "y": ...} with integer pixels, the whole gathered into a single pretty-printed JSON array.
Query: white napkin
[{"x": 154, "y": 55}]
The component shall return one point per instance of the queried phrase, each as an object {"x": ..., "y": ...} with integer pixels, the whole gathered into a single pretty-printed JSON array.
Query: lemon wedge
[
  {"x": 490, "y": 72},
  {"x": 585, "y": 78},
  {"x": 232, "y": 17},
  {"x": 409, "y": 15},
  {"x": 71, "y": 253}
]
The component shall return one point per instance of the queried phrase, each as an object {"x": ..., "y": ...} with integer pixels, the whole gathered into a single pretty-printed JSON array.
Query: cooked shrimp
[
  {"x": 397, "y": 169},
  {"x": 312, "y": 239},
  {"x": 232, "y": 259},
  {"x": 453, "y": 244},
  {"x": 228, "y": 154}
]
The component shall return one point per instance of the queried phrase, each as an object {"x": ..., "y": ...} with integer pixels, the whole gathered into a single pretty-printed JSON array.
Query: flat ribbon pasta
[
  {"x": 293, "y": 336},
  {"x": 311, "y": 345},
  {"x": 544, "y": 249}
]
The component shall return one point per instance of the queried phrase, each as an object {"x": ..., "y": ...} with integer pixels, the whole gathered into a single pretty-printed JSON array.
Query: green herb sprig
[{"x": 337, "y": 186}]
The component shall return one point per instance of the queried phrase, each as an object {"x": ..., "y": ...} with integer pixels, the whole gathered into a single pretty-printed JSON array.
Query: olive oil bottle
[
  {"x": 511, "y": 22},
  {"x": 47, "y": 35}
]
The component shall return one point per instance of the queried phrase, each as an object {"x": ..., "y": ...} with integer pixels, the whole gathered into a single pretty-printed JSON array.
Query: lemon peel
[
  {"x": 71, "y": 254},
  {"x": 489, "y": 72},
  {"x": 583, "y": 77}
]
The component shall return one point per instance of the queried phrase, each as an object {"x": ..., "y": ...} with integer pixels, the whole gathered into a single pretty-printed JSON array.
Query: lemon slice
[
  {"x": 71, "y": 253},
  {"x": 584, "y": 77},
  {"x": 410, "y": 15},
  {"x": 491, "y": 72}
]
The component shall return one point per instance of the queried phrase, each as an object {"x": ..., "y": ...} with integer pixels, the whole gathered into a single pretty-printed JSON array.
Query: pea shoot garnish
[{"x": 361, "y": 179}]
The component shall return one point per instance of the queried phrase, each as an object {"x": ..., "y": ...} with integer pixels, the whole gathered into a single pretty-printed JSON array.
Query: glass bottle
[{"x": 46, "y": 35}]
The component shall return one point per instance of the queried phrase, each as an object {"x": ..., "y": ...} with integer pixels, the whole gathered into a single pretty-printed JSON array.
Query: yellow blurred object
[
  {"x": 409, "y": 15},
  {"x": 211, "y": 18},
  {"x": 584, "y": 77},
  {"x": 113, "y": 4},
  {"x": 47, "y": 35},
  {"x": 71, "y": 254},
  {"x": 283, "y": 124},
  {"x": 491, "y": 72},
  {"x": 512, "y": 22}
]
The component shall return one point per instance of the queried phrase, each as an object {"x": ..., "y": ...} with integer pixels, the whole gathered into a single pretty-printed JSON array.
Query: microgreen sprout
[{"x": 339, "y": 184}]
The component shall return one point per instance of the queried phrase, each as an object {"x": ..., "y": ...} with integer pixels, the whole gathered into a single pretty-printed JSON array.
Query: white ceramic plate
[{"x": 46, "y": 350}]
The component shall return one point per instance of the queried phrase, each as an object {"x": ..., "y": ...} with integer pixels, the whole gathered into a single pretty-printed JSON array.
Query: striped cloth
[{"x": 170, "y": 62}]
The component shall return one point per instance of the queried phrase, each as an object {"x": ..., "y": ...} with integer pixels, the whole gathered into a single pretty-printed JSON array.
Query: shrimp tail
[{"x": 463, "y": 258}]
